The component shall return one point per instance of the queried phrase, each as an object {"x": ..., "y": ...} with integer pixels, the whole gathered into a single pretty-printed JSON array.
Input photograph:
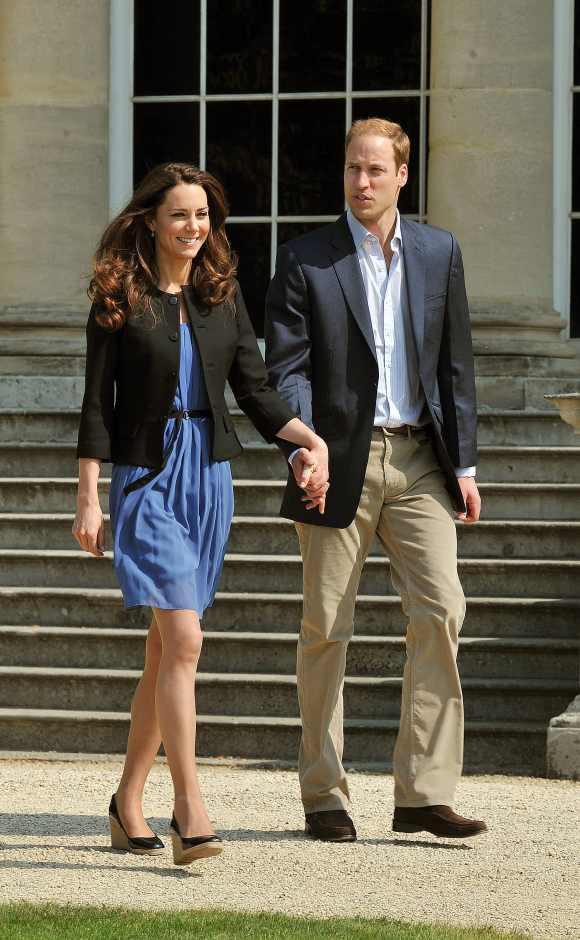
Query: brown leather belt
[{"x": 406, "y": 430}]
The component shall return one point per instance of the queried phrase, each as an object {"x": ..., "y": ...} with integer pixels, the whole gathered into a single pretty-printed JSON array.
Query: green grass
[{"x": 27, "y": 921}]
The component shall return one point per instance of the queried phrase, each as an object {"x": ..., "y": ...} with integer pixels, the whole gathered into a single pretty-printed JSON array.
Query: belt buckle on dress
[{"x": 185, "y": 414}]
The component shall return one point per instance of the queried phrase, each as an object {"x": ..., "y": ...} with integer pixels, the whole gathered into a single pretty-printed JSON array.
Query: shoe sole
[
  {"x": 195, "y": 853},
  {"x": 407, "y": 827},
  {"x": 120, "y": 841},
  {"x": 345, "y": 838}
]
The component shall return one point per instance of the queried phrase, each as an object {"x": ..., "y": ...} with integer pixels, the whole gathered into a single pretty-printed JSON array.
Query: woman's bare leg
[
  {"x": 181, "y": 640},
  {"x": 143, "y": 742}
]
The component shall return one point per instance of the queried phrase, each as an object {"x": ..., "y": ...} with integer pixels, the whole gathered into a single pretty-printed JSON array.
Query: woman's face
[{"x": 181, "y": 223}]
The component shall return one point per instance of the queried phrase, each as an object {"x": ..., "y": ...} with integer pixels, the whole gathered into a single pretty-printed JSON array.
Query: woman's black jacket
[{"x": 132, "y": 373}]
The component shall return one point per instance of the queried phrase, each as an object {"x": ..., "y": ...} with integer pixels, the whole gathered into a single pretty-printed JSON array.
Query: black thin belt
[{"x": 179, "y": 415}]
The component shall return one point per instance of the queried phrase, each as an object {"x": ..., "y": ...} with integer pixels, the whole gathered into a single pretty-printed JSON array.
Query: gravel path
[{"x": 523, "y": 875}]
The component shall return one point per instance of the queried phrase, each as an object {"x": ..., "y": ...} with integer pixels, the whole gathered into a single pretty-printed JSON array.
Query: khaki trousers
[{"x": 405, "y": 503}]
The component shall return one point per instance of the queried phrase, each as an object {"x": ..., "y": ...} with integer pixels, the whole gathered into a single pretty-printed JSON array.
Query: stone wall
[{"x": 53, "y": 147}]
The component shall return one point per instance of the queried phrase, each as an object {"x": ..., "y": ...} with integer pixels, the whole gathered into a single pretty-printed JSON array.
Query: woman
[{"x": 167, "y": 328}]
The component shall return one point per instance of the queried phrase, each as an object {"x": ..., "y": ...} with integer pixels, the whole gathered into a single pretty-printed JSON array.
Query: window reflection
[
  {"x": 376, "y": 63},
  {"x": 163, "y": 133},
  {"x": 166, "y": 48},
  {"x": 289, "y": 230},
  {"x": 239, "y": 46},
  {"x": 239, "y": 146},
  {"x": 311, "y": 157},
  {"x": 251, "y": 241},
  {"x": 312, "y": 45},
  {"x": 405, "y": 111}
]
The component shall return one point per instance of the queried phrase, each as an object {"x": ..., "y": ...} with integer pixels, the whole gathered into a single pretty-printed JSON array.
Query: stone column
[
  {"x": 53, "y": 148},
  {"x": 490, "y": 182}
]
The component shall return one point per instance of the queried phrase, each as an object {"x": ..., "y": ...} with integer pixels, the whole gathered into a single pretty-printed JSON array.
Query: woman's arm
[{"x": 88, "y": 527}]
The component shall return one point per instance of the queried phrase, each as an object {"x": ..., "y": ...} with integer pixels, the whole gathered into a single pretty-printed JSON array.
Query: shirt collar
[{"x": 359, "y": 232}]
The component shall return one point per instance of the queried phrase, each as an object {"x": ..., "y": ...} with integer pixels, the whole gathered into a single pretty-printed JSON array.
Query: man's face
[{"x": 371, "y": 179}]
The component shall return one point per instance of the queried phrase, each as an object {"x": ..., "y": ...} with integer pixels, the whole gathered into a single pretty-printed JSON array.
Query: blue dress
[{"x": 169, "y": 536}]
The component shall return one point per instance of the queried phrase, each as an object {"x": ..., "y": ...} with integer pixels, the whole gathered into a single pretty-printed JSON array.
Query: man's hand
[
  {"x": 310, "y": 468},
  {"x": 468, "y": 487}
]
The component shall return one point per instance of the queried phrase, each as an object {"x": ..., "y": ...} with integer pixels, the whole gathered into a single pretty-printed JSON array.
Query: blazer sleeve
[
  {"x": 96, "y": 422},
  {"x": 287, "y": 336},
  {"x": 249, "y": 380},
  {"x": 456, "y": 370}
]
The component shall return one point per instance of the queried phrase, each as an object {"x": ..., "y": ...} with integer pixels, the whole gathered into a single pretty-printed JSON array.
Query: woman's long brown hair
[{"x": 125, "y": 274}]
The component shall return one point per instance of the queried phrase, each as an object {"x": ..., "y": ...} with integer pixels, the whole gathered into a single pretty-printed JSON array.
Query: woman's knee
[{"x": 181, "y": 637}]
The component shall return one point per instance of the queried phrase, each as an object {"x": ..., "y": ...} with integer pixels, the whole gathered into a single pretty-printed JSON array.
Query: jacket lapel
[
  {"x": 414, "y": 265},
  {"x": 346, "y": 265}
]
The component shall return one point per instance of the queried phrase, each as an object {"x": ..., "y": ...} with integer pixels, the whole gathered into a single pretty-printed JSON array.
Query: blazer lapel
[
  {"x": 346, "y": 265},
  {"x": 414, "y": 264}
]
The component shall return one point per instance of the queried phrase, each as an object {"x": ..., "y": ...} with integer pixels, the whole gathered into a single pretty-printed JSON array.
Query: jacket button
[
  {"x": 173, "y": 336},
  {"x": 173, "y": 373},
  {"x": 173, "y": 300}
]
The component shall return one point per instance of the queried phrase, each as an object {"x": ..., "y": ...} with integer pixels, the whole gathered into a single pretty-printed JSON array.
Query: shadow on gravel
[
  {"x": 71, "y": 866},
  {"x": 419, "y": 843}
]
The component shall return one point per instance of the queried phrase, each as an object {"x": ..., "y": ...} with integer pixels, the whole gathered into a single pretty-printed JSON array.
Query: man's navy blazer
[{"x": 321, "y": 355}]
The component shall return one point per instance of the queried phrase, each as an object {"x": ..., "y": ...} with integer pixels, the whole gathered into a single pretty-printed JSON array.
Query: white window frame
[
  {"x": 562, "y": 143},
  {"x": 121, "y": 99}
]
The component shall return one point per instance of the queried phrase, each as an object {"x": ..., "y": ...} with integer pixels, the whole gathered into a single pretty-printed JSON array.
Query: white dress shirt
[{"x": 400, "y": 398}]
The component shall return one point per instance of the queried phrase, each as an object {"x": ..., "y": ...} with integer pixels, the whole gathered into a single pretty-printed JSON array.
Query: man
[{"x": 368, "y": 340}]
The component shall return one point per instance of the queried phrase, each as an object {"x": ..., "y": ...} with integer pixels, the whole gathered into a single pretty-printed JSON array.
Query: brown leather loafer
[
  {"x": 439, "y": 820},
  {"x": 333, "y": 825}
]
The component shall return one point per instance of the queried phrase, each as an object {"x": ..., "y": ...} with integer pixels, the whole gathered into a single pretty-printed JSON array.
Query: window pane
[
  {"x": 311, "y": 157},
  {"x": 312, "y": 45},
  {"x": 379, "y": 63},
  {"x": 239, "y": 46},
  {"x": 576, "y": 154},
  {"x": 288, "y": 230},
  {"x": 162, "y": 133},
  {"x": 167, "y": 48},
  {"x": 575, "y": 281},
  {"x": 405, "y": 111},
  {"x": 239, "y": 145},
  {"x": 252, "y": 244}
]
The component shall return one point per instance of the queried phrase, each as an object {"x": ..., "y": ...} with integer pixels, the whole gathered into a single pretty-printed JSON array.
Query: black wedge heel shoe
[
  {"x": 138, "y": 845},
  {"x": 188, "y": 850}
]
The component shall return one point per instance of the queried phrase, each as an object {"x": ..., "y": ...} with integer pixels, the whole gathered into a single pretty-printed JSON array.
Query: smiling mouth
[{"x": 187, "y": 241}]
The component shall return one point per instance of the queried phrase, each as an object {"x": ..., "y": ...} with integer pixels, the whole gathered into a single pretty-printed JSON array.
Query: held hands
[
  {"x": 311, "y": 474},
  {"x": 89, "y": 528},
  {"x": 468, "y": 487}
]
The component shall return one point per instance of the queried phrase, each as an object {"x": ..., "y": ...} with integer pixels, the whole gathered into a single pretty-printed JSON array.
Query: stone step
[
  {"x": 225, "y": 652},
  {"x": 539, "y": 426},
  {"x": 514, "y": 747},
  {"x": 274, "y": 694},
  {"x": 530, "y": 616},
  {"x": 501, "y": 501},
  {"x": 496, "y": 464},
  {"x": 479, "y": 576},
  {"x": 275, "y": 536}
]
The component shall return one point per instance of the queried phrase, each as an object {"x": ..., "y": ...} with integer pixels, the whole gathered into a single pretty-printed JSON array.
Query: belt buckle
[{"x": 185, "y": 414}]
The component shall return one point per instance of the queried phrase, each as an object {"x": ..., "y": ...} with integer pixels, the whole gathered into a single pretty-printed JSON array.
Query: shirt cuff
[
  {"x": 292, "y": 455},
  {"x": 465, "y": 471}
]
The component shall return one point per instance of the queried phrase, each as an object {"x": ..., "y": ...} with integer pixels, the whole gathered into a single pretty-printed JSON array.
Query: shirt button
[
  {"x": 173, "y": 300},
  {"x": 174, "y": 336}
]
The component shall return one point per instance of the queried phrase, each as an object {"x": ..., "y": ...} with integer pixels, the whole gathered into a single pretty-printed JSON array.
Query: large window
[{"x": 261, "y": 92}]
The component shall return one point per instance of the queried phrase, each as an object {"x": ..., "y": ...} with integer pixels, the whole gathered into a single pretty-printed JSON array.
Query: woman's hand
[{"x": 89, "y": 528}]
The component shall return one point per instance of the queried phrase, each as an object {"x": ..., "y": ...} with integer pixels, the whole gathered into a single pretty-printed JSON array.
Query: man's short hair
[{"x": 381, "y": 128}]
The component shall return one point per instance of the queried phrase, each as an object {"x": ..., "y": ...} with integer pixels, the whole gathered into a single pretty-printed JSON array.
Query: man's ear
[{"x": 403, "y": 174}]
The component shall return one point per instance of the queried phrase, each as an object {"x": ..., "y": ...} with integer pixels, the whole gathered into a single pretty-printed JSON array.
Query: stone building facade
[{"x": 261, "y": 93}]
